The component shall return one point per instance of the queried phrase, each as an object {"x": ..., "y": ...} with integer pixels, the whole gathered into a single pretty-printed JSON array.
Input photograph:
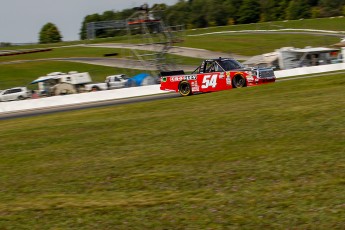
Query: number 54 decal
[{"x": 209, "y": 81}]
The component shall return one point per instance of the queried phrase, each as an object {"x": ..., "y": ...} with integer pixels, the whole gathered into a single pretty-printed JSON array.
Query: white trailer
[
  {"x": 58, "y": 83},
  {"x": 290, "y": 57}
]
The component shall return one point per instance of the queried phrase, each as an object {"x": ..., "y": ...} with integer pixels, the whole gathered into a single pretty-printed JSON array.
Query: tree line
[{"x": 205, "y": 13}]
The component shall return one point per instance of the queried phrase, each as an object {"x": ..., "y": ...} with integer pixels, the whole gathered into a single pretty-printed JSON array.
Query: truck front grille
[{"x": 266, "y": 73}]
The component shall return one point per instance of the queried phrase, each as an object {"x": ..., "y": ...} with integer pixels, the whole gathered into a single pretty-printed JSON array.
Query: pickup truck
[
  {"x": 111, "y": 82},
  {"x": 215, "y": 75}
]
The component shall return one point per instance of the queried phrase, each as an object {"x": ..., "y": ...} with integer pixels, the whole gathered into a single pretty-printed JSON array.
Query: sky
[{"x": 22, "y": 20}]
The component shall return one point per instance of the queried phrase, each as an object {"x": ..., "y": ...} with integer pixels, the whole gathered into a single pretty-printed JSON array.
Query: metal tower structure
[
  {"x": 149, "y": 40},
  {"x": 92, "y": 27}
]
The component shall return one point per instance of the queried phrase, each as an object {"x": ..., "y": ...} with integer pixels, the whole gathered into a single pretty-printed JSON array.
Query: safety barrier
[
  {"x": 47, "y": 102},
  {"x": 18, "y": 52},
  {"x": 71, "y": 99},
  {"x": 309, "y": 70}
]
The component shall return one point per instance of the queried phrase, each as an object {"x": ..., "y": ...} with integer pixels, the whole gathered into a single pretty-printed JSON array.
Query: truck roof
[{"x": 219, "y": 59}]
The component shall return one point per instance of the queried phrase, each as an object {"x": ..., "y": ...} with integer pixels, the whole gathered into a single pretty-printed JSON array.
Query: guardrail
[{"x": 26, "y": 51}]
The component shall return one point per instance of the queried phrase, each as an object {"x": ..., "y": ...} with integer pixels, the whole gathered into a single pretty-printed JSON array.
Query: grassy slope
[
  {"x": 20, "y": 74},
  {"x": 63, "y": 53},
  {"x": 67, "y": 52},
  {"x": 255, "y": 44},
  {"x": 335, "y": 24},
  {"x": 24, "y": 73},
  {"x": 245, "y": 44},
  {"x": 261, "y": 157}
]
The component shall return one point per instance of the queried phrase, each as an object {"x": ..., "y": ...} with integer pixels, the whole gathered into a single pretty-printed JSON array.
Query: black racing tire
[
  {"x": 239, "y": 81},
  {"x": 184, "y": 88},
  {"x": 21, "y": 98}
]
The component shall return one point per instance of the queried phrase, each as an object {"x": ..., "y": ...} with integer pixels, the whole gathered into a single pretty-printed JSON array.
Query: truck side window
[
  {"x": 217, "y": 68},
  {"x": 209, "y": 67}
]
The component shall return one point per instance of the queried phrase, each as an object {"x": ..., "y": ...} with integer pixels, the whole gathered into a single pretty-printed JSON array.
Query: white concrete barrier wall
[
  {"x": 309, "y": 70},
  {"x": 79, "y": 98},
  {"x": 134, "y": 91}
]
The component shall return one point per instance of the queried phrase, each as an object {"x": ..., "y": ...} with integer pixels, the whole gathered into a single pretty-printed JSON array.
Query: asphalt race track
[{"x": 29, "y": 113}]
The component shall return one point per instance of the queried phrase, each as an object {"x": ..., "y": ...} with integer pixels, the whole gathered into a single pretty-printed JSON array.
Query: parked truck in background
[{"x": 111, "y": 82}]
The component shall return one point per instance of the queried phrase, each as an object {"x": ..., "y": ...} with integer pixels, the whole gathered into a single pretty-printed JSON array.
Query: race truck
[{"x": 215, "y": 75}]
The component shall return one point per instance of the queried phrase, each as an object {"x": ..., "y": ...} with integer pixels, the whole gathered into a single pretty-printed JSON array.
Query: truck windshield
[{"x": 230, "y": 64}]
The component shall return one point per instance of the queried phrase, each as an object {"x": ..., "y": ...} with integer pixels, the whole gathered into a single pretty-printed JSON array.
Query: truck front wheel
[
  {"x": 184, "y": 88},
  {"x": 239, "y": 81}
]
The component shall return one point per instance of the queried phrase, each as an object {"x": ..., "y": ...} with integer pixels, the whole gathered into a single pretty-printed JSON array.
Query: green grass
[
  {"x": 16, "y": 74},
  {"x": 266, "y": 157},
  {"x": 335, "y": 24},
  {"x": 255, "y": 44},
  {"x": 246, "y": 44},
  {"x": 66, "y": 52},
  {"x": 22, "y": 74},
  {"x": 63, "y": 53}
]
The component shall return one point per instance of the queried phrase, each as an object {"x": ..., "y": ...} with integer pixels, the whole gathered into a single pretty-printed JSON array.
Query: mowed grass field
[
  {"x": 15, "y": 74},
  {"x": 330, "y": 24},
  {"x": 22, "y": 74},
  {"x": 266, "y": 157},
  {"x": 39, "y": 64},
  {"x": 251, "y": 44}
]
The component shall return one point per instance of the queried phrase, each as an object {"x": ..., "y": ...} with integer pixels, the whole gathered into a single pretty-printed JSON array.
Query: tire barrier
[{"x": 19, "y": 52}]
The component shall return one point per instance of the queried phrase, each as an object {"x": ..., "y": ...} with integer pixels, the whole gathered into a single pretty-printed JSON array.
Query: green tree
[
  {"x": 177, "y": 14},
  {"x": 231, "y": 8},
  {"x": 49, "y": 34},
  {"x": 315, "y": 12},
  {"x": 269, "y": 10},
  {"x": 298, "y": 9},
  {"x": 199, "y": 13},
  {"x": 217, "y": 13},
  {"x": 88, "y": 19},
  {"x": 281, "y": 9},
  {"x": 331, "y": 7},
  {"x": 249, "y": 12}
]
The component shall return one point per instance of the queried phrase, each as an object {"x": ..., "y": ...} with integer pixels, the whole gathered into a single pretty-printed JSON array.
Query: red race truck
[{"x": 215, "y": 75}]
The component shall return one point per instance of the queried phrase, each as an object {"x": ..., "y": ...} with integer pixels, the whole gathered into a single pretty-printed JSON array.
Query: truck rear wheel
[
  {"x": 184, "y": 88},
  {"x": 239, "y": 81}
]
